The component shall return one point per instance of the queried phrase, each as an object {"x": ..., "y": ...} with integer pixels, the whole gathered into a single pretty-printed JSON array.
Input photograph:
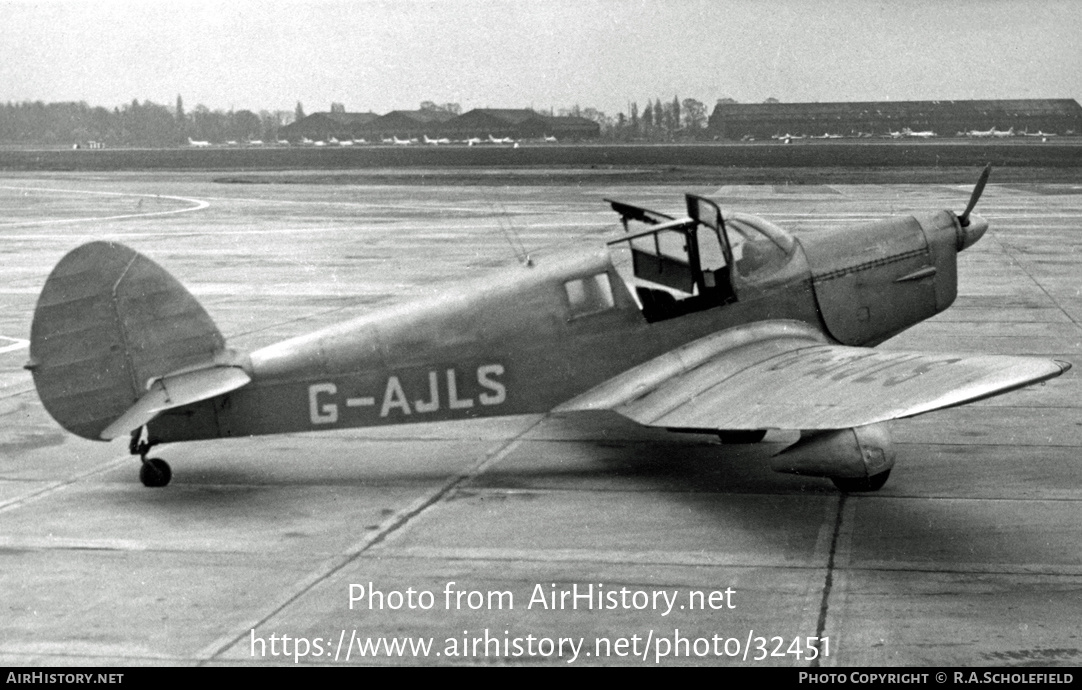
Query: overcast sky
[{"x": 382, "y": 56}]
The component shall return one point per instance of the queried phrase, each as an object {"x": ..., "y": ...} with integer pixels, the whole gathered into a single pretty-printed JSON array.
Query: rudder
[{"x": 107, "y": 322}]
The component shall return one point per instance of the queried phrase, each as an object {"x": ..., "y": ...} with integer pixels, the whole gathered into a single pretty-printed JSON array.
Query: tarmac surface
[{"x": 460, "y": 534}]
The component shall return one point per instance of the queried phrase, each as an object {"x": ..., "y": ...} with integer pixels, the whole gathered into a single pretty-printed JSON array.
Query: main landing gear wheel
[
  {"x": 851, "y": 486},
  {"x": 155, "y": 472},
  {"x": 735, "y": 437}
]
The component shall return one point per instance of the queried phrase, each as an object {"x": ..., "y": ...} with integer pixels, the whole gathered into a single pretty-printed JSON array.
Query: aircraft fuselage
[
  {"x": 508, "y": 345},
  {"x": 536, "y": 335}
]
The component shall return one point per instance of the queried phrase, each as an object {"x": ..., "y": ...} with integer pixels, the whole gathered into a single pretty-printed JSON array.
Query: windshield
[{"x": 759, "y": 247}]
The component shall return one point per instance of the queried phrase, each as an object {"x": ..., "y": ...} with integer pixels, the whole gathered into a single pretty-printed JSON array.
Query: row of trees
[
  {"x": 150, "y": 124},
  {"x": 657, "y": 121},
  {"x": 134, "y": 124}
]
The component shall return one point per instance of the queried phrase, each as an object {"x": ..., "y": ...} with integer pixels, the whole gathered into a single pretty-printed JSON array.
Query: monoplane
[{"x": 708, "y": 322}]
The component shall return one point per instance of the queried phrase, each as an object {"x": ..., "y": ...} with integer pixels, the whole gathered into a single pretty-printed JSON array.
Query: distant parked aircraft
[
  {"x": 1044, "y": 135},
  {"x": 787, "y": 138},
  {"x": 402, "y": 142},
  {"x": 198, "y": 144},
  {"x": 927, "y": 134},
  {"x": 435, "y": 142},
  {"x": 495, "y": 140}
]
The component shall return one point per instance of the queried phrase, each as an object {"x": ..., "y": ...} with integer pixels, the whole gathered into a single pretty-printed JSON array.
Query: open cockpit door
[
  {"x": 643, "y": 215},
  {"x": 681, "y": 265},
  {"x": 712, "y": 246}
]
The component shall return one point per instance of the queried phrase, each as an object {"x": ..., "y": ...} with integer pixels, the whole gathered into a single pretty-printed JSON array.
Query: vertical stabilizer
[{"x": 108, "y": 322}]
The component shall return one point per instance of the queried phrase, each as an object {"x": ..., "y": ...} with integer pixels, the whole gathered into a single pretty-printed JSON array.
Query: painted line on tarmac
[
  {"x": 1017, "y": 259},
  {"x": 199, "y": 205},
  {"x": 360, "y": 227},
  {"x": 147, "y": 235},
  {"x": 53, "y": 487},
  {"x": 17, "y": 344},
  {"x": 4, "y": 395},
  {"x": 392, "y": 524},
  {"x": 375, "y": 206}
]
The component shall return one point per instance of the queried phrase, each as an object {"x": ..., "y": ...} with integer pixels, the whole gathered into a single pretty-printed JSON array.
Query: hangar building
[
  {"x": 520, "y": 123},
  {"x": 323, "y": 126},
  {"x": 407, "y": 124},
  {"x": 945, "y": 118}
]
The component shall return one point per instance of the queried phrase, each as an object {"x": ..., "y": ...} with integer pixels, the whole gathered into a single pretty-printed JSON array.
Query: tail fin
[{"x": 108, "y": 322}]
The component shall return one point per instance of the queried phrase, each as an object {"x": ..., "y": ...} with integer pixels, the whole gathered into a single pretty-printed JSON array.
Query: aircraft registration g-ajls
[{"x": 707, "y": 323}]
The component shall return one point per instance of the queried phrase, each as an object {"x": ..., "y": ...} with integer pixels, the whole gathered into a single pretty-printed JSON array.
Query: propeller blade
[{"x": 964, "y": 218}]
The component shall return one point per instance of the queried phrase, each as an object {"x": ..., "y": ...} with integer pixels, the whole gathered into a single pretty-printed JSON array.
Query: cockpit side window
[{"x": 590, "y": 295}]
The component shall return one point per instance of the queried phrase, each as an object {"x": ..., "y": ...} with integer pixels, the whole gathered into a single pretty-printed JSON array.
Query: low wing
[{"x": 784, "y": 375}]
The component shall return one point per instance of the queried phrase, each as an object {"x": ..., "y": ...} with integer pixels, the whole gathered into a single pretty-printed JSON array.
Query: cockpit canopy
[
  {"x": 699, "y": 261},
  {"x": 748, "y": 225}
]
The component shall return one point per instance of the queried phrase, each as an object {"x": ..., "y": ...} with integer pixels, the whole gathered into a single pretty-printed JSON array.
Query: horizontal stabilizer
[
  {"x": 781, "y": 375},
  {"x": 176, "y": 390}
]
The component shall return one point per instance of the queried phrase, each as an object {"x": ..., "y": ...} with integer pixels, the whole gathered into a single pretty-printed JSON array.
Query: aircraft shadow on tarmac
[{"x": 568, "y": 461}]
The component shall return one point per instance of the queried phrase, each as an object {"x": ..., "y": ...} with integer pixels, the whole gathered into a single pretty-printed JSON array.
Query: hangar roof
[
  {"x": 419, "y": 116},
  {"x": 350, "y": 118},
  {"x": 511, "y": 115},
  {"x": 1028, "y": 106}
]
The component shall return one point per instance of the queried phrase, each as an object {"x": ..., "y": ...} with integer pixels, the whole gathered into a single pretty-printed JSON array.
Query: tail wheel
[
  {"x": 155, "y": 472},
  {"x": 850, "y": 486}
]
